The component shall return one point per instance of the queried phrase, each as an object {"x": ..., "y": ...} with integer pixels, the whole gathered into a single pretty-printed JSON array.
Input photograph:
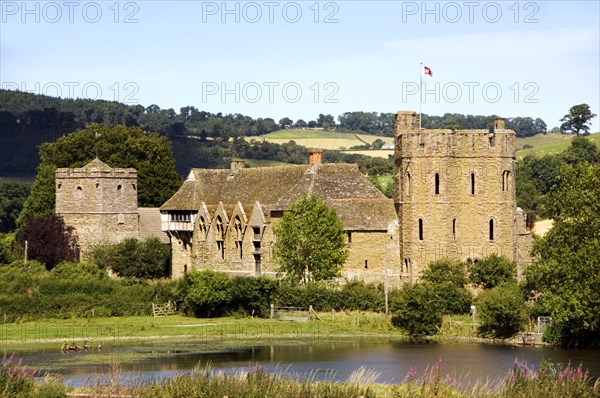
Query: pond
[{"x": 391, "y": 360}]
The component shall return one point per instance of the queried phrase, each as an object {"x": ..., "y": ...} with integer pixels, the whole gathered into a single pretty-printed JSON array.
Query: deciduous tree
[
  {"x": 577, "y": 120},
  {"x": 492, "y": 271},
  {"x": 49, "y": 240},
  {"x": 310, "y": 244}
]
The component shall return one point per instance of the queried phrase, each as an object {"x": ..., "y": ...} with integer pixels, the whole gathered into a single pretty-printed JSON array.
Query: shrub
[
  {"x": 492, "y": 271},
  {"x": 146, "y": 259},
  {"x": 417, "y": 310},
  {"x": 501, "y": 310},
  {"x": 252, "y": 295},
  {"x": 445, "y": 270},
  {"x": 452, "y": 299},
  {"x": 67, "y": 270},
  {"x": 206, "y": 293}
]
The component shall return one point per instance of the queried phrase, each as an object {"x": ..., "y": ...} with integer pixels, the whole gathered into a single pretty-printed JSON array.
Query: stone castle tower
[
  {"x": 99, "y": 202},
  {"x": 455, "y": 195}
]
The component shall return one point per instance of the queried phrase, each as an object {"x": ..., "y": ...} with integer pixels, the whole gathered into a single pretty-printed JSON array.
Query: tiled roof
[
  {"x": 278, "y": 187},
  {"x": 149, "y": 222}
]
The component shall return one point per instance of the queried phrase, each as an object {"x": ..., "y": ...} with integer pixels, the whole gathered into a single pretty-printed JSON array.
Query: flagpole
[{"x": 420, "y": 93}]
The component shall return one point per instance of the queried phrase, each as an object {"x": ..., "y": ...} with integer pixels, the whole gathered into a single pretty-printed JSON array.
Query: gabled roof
[{"x": 276, "y": 188}]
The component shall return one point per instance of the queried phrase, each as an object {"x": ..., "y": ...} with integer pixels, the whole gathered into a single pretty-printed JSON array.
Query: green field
[
  {"x": 549, "y": 144},
  {"x": 294, "y": 134}
]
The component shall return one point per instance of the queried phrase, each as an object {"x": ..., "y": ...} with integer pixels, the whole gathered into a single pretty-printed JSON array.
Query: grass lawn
[{"x": 123, "y": 330}]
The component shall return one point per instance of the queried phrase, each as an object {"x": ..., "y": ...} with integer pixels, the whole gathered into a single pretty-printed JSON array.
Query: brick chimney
[{"x": 315, "y": 156}]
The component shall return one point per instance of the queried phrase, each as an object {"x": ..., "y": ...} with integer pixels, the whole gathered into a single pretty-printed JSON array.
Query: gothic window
[
  {"x": 201, "y": 229},
  {"x": 492, "y": 229},
  {"x": 420, "y": 229},
  {"x": 437, "y": 183},
  {"x": 472, "y": 183},
  {"x": 219, "y": 238},
  {"x": 237, "y": 225}
]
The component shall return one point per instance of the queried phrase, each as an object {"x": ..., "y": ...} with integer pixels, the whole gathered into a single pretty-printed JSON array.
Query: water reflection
[{"x": 335, "y": 361}]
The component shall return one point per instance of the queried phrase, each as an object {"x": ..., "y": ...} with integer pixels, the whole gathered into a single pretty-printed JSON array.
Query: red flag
[{"x": 427, "y": 71}]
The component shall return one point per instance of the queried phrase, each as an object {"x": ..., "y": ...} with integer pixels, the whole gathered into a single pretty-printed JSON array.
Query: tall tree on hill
[
  {"x": 577, "y": 120},
  {"x": 310, "y": 242}
]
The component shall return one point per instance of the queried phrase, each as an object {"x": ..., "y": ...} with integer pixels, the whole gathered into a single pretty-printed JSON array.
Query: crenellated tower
[
  {"x": 99, "y": 202},
  {"x": 455, "y": 194}
]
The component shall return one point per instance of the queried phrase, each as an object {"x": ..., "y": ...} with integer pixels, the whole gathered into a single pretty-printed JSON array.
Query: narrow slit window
[
  {"x": 437, "y": 183},
  {"x": 454, "y": 228},
  {"x": 420, "y": 229},
  {"x": 119, "y": 190},
  {"x": 408, "y": 183},
  {"x": 491, "y": 229},
  {"x": 472, "y": 183}
]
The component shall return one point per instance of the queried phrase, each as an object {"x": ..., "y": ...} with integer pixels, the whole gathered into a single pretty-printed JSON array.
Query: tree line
[{"x": 27, "y": 120}]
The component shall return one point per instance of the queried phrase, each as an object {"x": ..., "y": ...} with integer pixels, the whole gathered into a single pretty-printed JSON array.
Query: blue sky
[{"x": 299, "y": 59}]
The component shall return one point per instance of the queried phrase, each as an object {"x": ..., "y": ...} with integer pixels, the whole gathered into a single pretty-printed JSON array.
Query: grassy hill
[{"x": 549, "y": 144}]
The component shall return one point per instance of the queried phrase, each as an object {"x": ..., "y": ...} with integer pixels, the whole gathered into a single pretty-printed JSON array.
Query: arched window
[
  {"x": 491, "y": 229},
  {"x": 472, "y": 183},
  {"x": 437, "y": 183},
  {"x": 420, "y": 229},
  {"x": 119, "y": 189},
  {"x": 79, "y": 193},
  {"x": 505, "y": 180}
]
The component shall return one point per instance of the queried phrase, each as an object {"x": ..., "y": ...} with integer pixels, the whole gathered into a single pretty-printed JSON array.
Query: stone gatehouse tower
[
  {"x": 99, "y": 202},
  {"x": 455, "y": 194}
]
